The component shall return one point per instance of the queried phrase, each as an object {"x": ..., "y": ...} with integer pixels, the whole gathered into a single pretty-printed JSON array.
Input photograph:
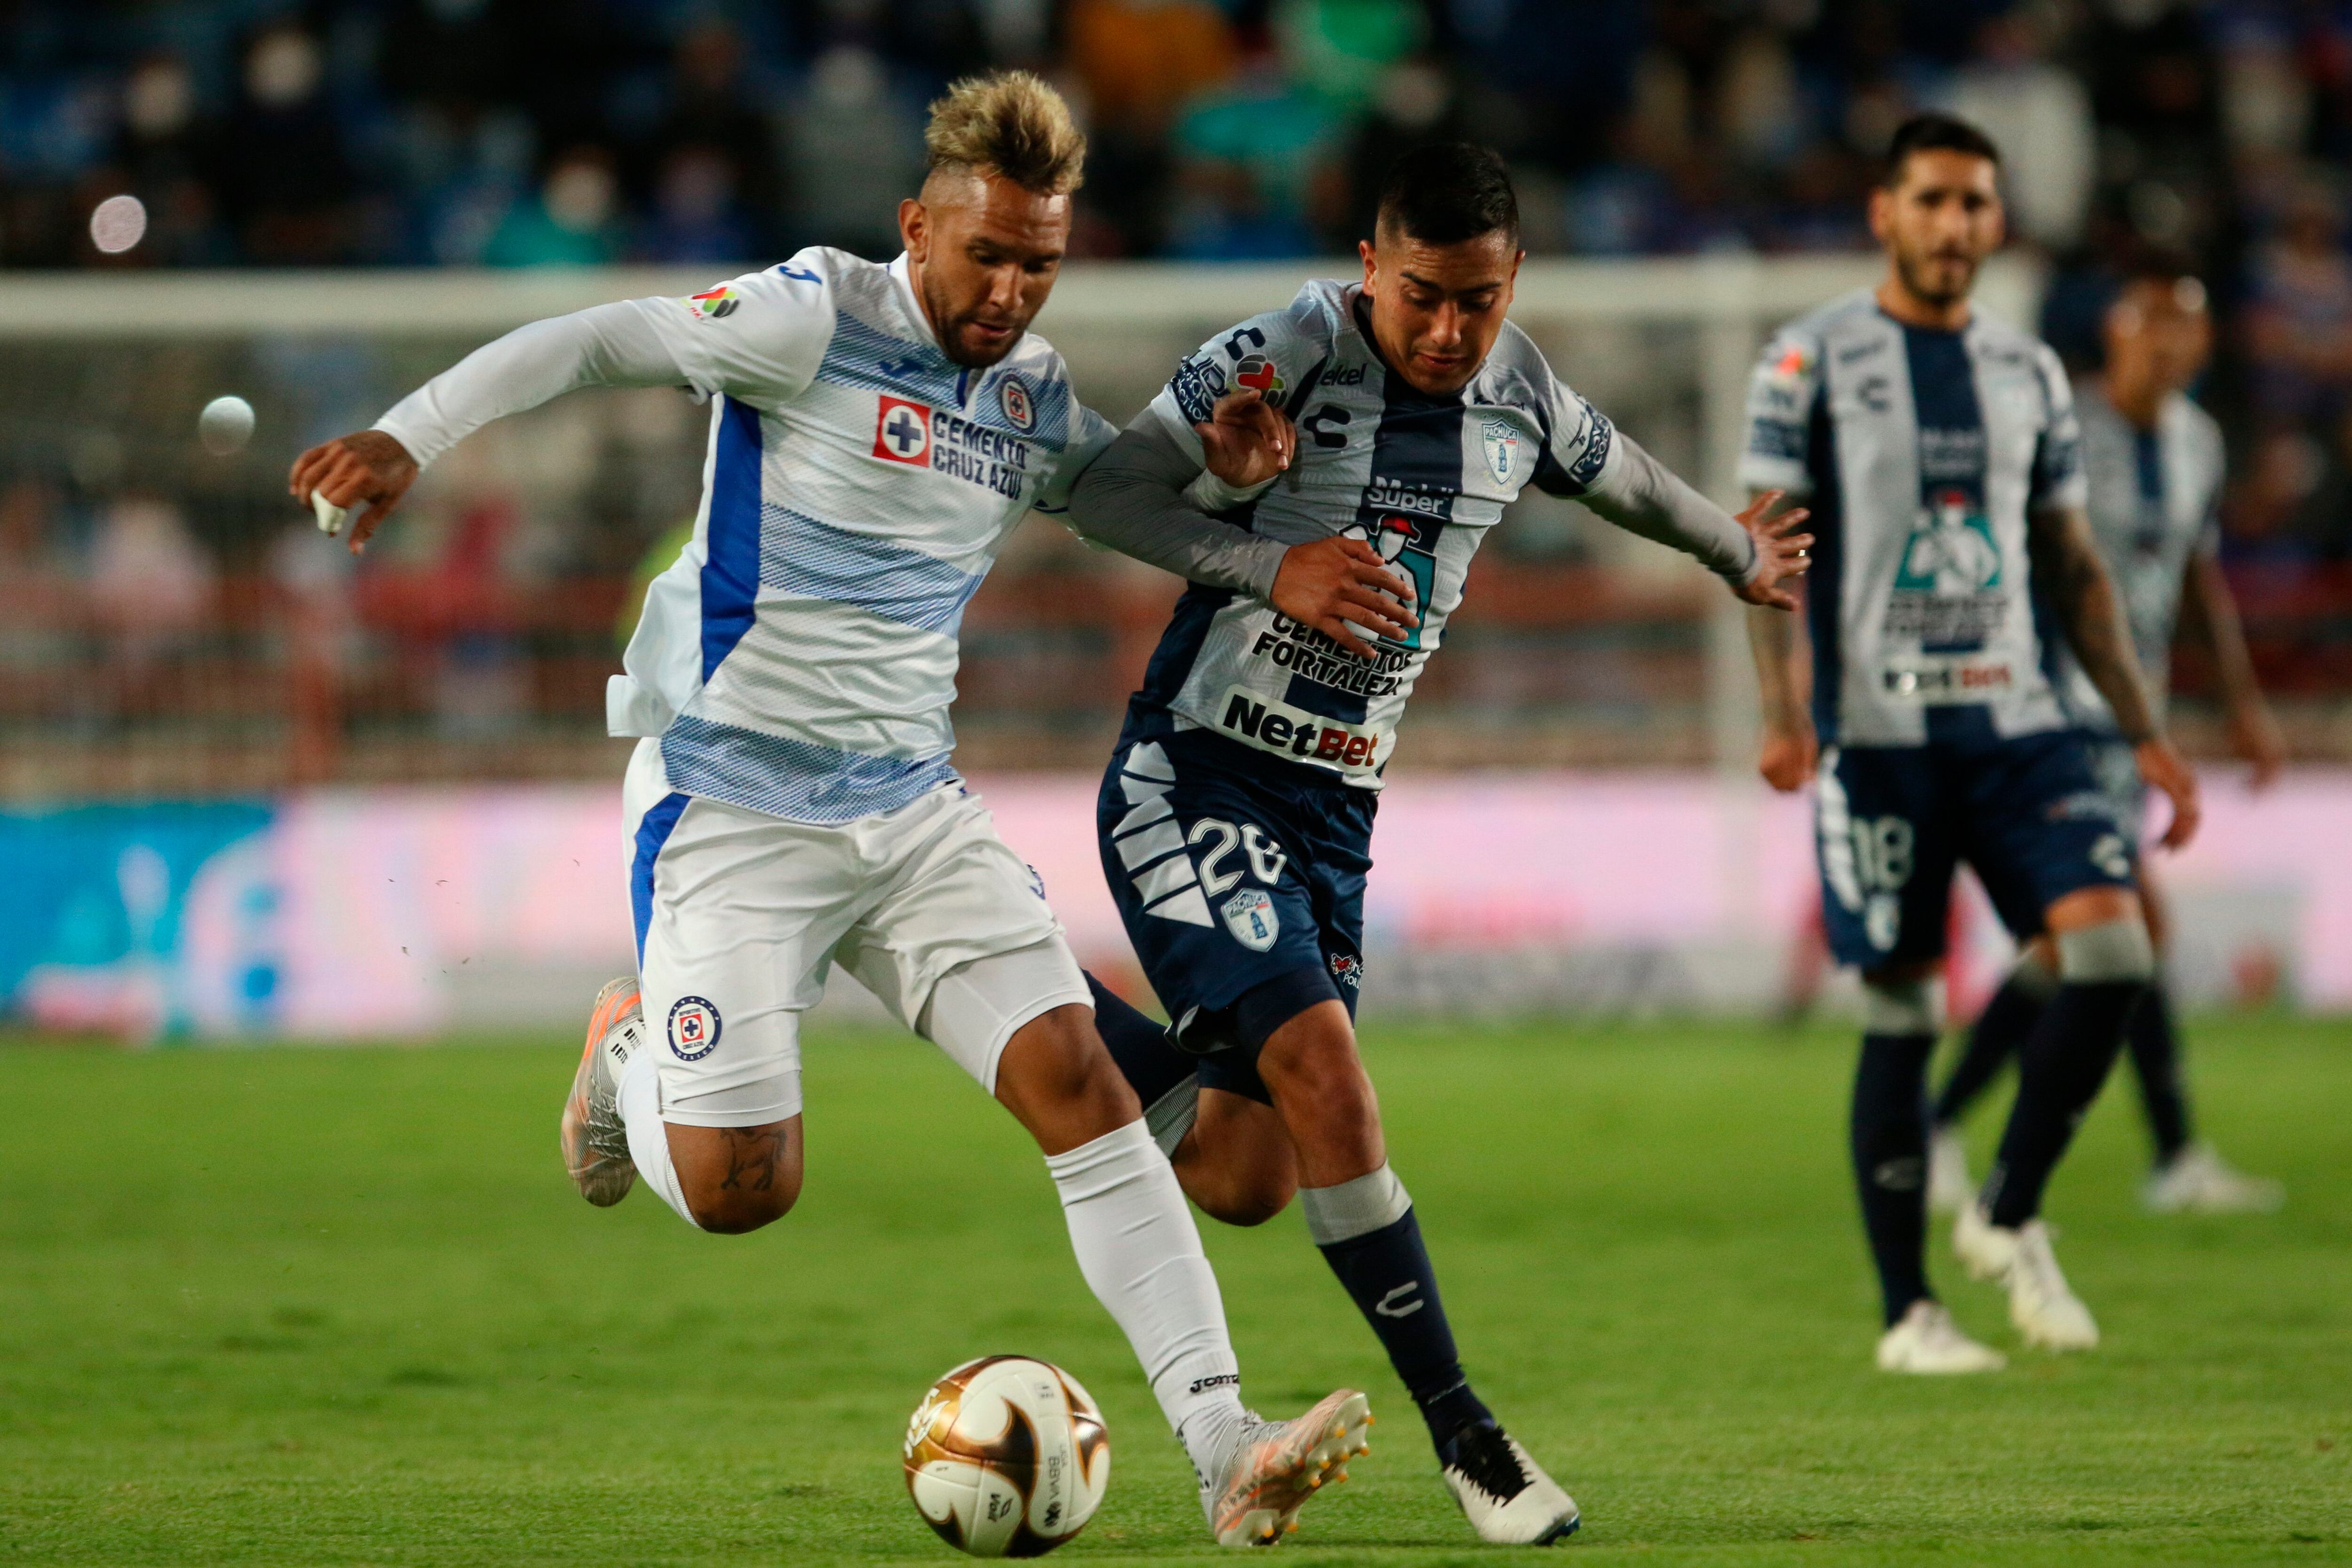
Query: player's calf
[{"x": 1237, "y": 1163}]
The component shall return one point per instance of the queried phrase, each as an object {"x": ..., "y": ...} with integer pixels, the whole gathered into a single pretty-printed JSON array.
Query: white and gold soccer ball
[{"x": 1007, "y": 1456}]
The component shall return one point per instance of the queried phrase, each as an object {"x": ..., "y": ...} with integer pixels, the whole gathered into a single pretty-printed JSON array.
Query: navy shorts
[
  {"x": 1241, "y": 880},
  {"x": 2027, "y": 815}
]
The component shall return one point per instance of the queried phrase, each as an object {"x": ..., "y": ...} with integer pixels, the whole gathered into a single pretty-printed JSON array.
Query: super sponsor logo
[
  {"x": 921, "y": 436},
  {"x": 1256, "y": 720}
]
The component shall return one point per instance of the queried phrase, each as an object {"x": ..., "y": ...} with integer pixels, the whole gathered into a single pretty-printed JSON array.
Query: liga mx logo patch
[
  {"x": 693, "y": 1029},
  {"x": 902, "y": 432},
  {"x": 1250, "y": 916}
]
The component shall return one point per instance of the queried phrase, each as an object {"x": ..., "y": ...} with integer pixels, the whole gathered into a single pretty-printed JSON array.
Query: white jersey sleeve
[
  {"x": 1781, "y": 392},
  {"x": 1578, "y": 442},
  {"x": 758, "y": 338},
  {"x": 1277, "y": 355},
  {"x": 2058, "y": 479}
]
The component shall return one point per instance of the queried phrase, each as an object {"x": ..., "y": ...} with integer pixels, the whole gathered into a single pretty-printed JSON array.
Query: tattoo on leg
[{"x": 753, "y": 1154}]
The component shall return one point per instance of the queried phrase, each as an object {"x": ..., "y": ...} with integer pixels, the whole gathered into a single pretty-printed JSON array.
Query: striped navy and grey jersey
[
  {"x": 1920, "y": 454},
  {"x": 1422, "y": 477},
  {"x": 2155, "y": 499}
]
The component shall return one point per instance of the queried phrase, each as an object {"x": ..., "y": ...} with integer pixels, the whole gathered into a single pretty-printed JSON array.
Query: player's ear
[
  {"x": 1371, "y": 263},
  {"x": 1881, "y": 211},
  {"x": 915, "y": 230}
]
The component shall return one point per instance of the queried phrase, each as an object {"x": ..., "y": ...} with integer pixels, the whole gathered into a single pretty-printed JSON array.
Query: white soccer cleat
[
  {"x": 1927, "y": 1340},
  {"x": 2199, "y": 1181},
  {"x": 2045, "y": 1310},
  {"x": 1948, "y": 1187},
  {"x": 595, "y": 1143},
  {"x": 1279, "y": 1466},
  {"x": 1503, "y": 1491}
]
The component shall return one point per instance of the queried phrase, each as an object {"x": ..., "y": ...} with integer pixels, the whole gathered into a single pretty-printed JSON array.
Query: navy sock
[
  {"x": 1889, "y": 1143},
  {"x": 1387, "y": 1272},
  {"x": 1995, "y": 1036},
  {"x": 2059, "y": 1072},
  {"x": 1149, "y": 1063},
  {"x": 2155, "y": 1047}
]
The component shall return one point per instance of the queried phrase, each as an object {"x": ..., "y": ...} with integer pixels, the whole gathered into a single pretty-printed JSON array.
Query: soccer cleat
[
  {"x": 2045, "y": 1310},
  {"x": 1506, "y": 1495},
  {"x": 1278, "y": 1466},
  {"x": 2199, "y": 1181},
  {"x": 1926, "y": 1340},
  {"x": 595, "y": 1143},
  {"x": 1948, "y": 1187}
]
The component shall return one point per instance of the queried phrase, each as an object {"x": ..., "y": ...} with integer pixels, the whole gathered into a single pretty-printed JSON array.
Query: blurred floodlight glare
[{"x": 117, "y": 224}]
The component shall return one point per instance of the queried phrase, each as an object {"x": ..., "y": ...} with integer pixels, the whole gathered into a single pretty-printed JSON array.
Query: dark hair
[
  {"x": 1936, "y": 134},
  {"x": 1447, "y": 192}
]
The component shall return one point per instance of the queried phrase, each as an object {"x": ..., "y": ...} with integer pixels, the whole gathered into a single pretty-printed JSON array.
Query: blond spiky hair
[{"x": 1009, "y": 123}]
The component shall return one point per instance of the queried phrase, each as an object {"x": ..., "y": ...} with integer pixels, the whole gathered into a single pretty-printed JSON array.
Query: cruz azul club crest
[
  {"x": 1020, "y": 410},
  {"x": 1500, "y": 441},
  {"x": 902, "y": 432},
  {"x": 693, "y": 1029}
]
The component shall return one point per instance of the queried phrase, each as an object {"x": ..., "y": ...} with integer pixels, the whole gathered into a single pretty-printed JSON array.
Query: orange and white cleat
[
  {"x": 595, "y": 1143},
  {"x": 1279, "y": 1466}
]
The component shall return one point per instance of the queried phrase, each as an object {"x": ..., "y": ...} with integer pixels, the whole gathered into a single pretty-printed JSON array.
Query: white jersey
[
  {"x": 1920, "y": 454},
  {"x": 1422, "y": 478},
  {"x": 800, "y": 657},
  {"x": 2155, "y": 501}
]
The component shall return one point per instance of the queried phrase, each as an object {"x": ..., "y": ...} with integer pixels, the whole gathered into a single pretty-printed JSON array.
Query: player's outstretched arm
[
  {"x": 1756, "y": 553},
  {"x": 609, "y": 345},
  {"x": 1791, "y": 750},
  {"x": 1134, "y": 499},
  {"x": 2207, "y": 604},
  {"x": 2068, "y": 572}
]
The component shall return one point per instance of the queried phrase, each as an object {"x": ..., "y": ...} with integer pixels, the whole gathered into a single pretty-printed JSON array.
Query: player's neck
[
  {"x": 2139, "y": 402},
  {"x": 1895, "y": 297}
]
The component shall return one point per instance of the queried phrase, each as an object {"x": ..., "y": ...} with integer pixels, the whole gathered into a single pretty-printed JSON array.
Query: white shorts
[{"x": 741, "y": 915}]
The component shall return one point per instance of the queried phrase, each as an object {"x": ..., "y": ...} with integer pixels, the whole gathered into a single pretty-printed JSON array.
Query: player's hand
[
  {"x": 366, "y": 466},
  {"x": 2163, "y": 769},
  {"x": 1790, "y": 757},
  {"x": 1246, "y": 440},
  {"x": 1339, "y": 586},
  {"x": 2256, "y": 735},
  {"x": 1781, "y": 557}
]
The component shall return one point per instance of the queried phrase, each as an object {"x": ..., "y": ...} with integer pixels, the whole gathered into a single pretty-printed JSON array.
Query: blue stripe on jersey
[
  {"x": 795, "y": 779},
  {"x": 730, "y": 564},
  {"x": 1825, "y": 582},
  {"x": 654, "y": 829},
  {"x": 860, "y": 355},
  {"x": 800, "y": 554}
]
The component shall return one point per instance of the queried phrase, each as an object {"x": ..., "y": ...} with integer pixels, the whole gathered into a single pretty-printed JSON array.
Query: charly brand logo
[{"x": 693, "y": 1029}]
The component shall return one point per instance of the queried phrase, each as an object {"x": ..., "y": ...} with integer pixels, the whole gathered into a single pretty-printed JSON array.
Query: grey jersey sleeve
[
  {"x": 1643, "y": 496},
  {"x": 606, "y": 345},
  {"x": 1132, "y": 500}
]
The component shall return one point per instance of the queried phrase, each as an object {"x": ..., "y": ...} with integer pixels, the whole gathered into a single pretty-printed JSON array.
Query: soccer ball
[{"x": 1007, "y": 1456}]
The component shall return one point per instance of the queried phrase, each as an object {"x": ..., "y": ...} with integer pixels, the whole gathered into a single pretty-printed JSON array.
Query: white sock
[
  {"x": 1141, "y": 1255},
  {"x": 640, "y": 1100}
]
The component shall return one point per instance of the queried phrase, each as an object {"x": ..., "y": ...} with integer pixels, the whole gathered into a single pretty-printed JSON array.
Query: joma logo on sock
[
  {"x": 1222, "y": 1380},
  {"x": 1388, "y": 1305}
]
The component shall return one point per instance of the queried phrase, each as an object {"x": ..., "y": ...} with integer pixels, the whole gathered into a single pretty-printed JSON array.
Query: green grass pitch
[{"x": 342, "y": 1306}]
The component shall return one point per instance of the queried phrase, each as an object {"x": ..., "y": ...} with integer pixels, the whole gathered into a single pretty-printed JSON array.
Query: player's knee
[
  {"x": 2108, "y": 952},
  {"x": 1236, "y": 1164},
  {"x": 1314, "y": 1057},
  {"x": 1900, "y": 1003},
  {"x": 737, "y": 1179},
  {"x": 1058, "y": 1078}
]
